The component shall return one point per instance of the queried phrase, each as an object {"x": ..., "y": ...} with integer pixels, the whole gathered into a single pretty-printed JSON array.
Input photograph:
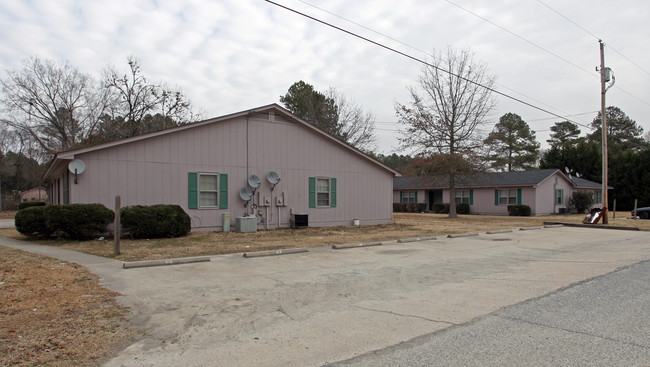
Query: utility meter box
[{"x": 226, "y": 222}]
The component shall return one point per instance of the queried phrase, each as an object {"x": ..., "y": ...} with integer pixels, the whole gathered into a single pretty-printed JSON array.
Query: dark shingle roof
[{"x": 492, "y": 179}]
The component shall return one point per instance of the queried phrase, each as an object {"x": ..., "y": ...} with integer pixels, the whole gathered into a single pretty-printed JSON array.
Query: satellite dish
[
  {"x": 245, "y": 194},
  {"x": 77, "y": 166},
  {"x": 273, "y": 178},
  {"x": 254, "y": 181}
]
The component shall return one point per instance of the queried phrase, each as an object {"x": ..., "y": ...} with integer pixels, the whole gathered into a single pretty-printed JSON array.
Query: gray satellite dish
[
  {"x": 245, "y": 194},
  {"x": 273, "y": 179},
  {"x": 76, "y": 166},
  {"x": 254, "y": 181}
]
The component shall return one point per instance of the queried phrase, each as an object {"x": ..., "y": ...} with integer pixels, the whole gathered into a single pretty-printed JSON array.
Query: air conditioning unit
[
  {"x": 246, "y": 224},
  {"x": 299, "y": 221}
]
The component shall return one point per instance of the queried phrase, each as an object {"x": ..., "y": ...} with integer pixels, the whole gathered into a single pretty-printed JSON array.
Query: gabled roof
[
  {"x": 65, "y": 156},
  {"x": 492, "y": 179}
]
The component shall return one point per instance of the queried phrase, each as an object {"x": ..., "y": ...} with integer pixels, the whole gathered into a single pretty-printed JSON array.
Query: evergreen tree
[{"x": 512, "y": 144}]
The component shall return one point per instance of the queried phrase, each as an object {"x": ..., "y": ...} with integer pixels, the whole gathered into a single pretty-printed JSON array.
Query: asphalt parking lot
[{"x": 337, "y": 306}]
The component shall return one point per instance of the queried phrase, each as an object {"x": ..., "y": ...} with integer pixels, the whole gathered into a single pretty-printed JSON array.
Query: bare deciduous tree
[
  {"x": 442, "y": 119},
  {"x": 355, "y": 126},
  {"x": 135, "y": 103},
  {"x": 55, "y": 103}
]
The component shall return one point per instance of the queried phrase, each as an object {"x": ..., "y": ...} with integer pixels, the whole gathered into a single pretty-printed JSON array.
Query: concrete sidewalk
[
  {"x": 104, "y": 267},
  {"x": 7, "y": 223}
]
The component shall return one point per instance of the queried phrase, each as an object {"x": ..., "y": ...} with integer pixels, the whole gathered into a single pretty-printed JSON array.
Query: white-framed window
[
  {"x": 559, "y": 196},
  {"x": 208, "y": 190},
  {"x": 322, "y": 191},
  {"x": 462, "y": 197},
  {"x": 409, "y": 197},
  {"x": 598, "y": 197},
  {"x": 508, "y": 197}
]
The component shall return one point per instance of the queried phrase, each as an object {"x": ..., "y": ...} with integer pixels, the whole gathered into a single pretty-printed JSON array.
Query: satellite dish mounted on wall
[
  {"x": 273, "y": 179},
  {"x": 77, "y": 166},
  {"x": 254, "y": 182},
  {"x": 245, "y": 194}
]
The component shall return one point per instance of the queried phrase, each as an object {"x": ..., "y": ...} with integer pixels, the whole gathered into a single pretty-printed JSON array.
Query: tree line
[
  {"x": 47, "y": 107},
  {"x": 53, "y": 106}
]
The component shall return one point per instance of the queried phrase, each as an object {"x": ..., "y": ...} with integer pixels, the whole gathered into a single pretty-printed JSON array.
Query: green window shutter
[
  {"x": 66, "y": 187},
  {"x": 312, "y": 192},
  {"x": 518, "y": 196},
  {"x": 333, "y": 192},
  {"x": 401, "y": 197},
  {"x": 496, "y": 197},
  {"x": 471, "y": 197},
  {"x": 192, "y": 190},
  {"x": 223, "y": 191},
  {"x": 416, "y": 196}
]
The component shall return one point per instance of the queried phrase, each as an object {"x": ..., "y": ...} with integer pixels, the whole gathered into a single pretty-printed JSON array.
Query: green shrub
[
  {"x": 519, "y": 210},
  {"x": 77, "y": 221},
  {"x": 31, "y": 222},
  {"x": 155, "y": 221},
  {"x": 441, "y": 208},
  {"x": 29, "y": 204},
  {"x": 462, "y": 208},
  {"x": 581, "y": 201}
]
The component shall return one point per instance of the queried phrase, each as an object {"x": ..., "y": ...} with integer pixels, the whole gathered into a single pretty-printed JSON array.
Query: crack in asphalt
[
  {"x": 406, "y": 315},
  {"x": 516, "y": 319}
]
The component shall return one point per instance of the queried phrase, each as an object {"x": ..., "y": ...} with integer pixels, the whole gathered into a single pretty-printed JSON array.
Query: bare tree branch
[{"x": 443, "y": 118}]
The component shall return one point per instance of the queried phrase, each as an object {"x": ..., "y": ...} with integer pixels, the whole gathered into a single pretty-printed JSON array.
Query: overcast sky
[{"x": 232, "y": 55}]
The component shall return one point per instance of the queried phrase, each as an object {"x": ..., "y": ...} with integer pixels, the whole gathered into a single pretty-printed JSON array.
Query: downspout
[{"x": 554, "y": 192}]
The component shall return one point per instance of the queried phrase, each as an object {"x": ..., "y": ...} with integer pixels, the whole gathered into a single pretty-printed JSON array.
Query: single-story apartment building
[
  {"x": 207, "y": 168},
  {"x": 545, "y": 191}
]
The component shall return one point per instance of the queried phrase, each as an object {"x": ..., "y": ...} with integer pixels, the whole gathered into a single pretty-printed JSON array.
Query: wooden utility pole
[{"x": 604, "y": 73}]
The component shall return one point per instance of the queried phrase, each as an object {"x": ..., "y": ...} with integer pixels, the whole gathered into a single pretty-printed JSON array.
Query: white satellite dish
[
  {"x": 254, "y": 181},
  {"x": 273, "y": 179},
  {"x": 77, "y": 166},
  {"x": 245, "y": 194}
]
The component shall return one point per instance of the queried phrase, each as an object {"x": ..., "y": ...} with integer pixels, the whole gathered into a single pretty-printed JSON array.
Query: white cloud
[{"x": 232, "y": 55}]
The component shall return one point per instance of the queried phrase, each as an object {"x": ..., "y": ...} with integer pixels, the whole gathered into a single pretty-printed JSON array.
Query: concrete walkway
[
  {"x": 7, "y": 223},
  {"x": 329, "y": 305}
]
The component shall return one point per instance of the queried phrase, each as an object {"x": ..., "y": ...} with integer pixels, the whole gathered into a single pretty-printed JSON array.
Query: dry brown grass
[
  {"x": 405, "y": 225},
  {"x": 8, "y": 214},
  {"x": 55, "y": 313}
]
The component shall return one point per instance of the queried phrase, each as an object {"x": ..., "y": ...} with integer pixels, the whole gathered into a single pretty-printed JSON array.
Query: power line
[
  {"x": 522, "y": 38},
  {"x": 550, "y": 52},
  {"x": 421, "y": 61},
  {"x": 593, "y": 35},
  {"x": 419, "y": 50}
]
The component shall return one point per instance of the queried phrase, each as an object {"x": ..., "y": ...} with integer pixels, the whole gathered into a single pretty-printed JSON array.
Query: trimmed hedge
[
  {"x": 31, "y": 222},
  {"x": 72, "y": 221},
  {"x": 441, "y": 208},
  {"x": 156, "y": 221},
  {"x": 77, "y": 221},
  {"x": 409, "y": 207},
  {"x": 519, "y": 210},
  {"x": 29, "y": 204},
  {"x": 462, "y": 208}
]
